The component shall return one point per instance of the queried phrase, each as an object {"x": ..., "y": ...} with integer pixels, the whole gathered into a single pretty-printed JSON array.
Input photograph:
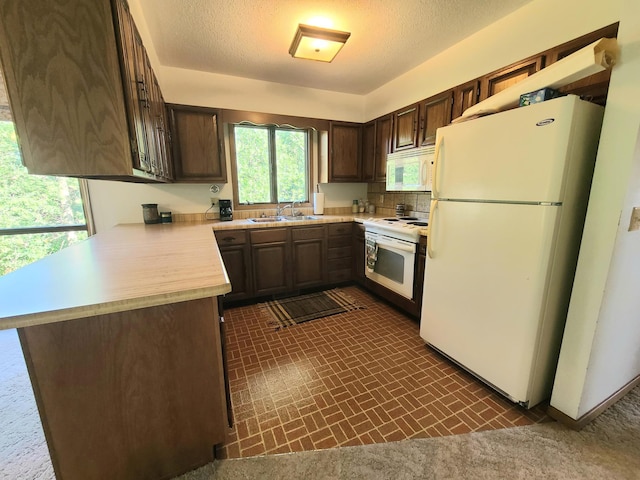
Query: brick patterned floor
[{"x": 354, "y": 378}]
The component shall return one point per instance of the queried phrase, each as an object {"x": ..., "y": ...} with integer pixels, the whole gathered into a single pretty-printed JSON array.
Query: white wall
[{"x": 601, "y": 346}]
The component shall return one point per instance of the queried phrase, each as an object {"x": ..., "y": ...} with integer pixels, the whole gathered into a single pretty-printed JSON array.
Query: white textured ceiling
[{"x": 251, "y": 38}]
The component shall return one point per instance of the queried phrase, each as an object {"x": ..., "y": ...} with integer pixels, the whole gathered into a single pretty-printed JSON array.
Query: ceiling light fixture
[{"x": 316, "y": 43}]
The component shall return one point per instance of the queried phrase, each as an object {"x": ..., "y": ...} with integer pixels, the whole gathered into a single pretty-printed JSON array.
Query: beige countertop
[
  {"x": 318, "y": 219},
  {"x": 127, "y": 267}
]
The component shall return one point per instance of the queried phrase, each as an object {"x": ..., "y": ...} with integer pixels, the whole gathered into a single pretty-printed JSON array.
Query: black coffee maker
[{"x": 226, "y": 212}]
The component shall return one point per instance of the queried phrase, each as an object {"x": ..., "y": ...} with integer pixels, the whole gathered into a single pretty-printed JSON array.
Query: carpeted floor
[
  {"x": 608, "y": 448},
  {"x": 23, "y": 450}
]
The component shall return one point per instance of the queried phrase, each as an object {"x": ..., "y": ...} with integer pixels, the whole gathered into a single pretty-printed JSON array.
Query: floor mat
[{"x": 294, "y": 310}]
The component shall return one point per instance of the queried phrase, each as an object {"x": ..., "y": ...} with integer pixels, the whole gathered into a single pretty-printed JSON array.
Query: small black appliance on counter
[{"x": 226, "y": 212}]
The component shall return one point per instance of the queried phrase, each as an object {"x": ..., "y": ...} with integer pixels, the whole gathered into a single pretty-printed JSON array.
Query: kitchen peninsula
[{"x": 121, "y": 339}]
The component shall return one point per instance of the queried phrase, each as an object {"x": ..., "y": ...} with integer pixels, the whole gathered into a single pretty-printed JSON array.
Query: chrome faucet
[{"x": 292, "y": 206}]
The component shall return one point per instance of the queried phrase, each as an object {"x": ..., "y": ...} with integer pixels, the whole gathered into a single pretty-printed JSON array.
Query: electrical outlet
[
  {"x": 381, "y": 199},
  {"x": 634, "y": 224},
  {"x": 214, "y": 201}
]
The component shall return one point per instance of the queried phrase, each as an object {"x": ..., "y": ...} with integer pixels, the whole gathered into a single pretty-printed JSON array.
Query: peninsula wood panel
[
  {"x": 130, "y": 395},
  {"x": 65, "y": 97}
]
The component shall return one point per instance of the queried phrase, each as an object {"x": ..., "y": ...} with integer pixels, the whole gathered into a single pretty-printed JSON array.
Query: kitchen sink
[
  {"x": 300, "y": 217},
  {"x": 265, "y": 219},
  {"x": 287, "y": 218}
]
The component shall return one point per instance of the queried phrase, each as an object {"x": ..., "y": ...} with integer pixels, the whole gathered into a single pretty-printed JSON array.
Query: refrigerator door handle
[
  {"x": 432, "y": 221},
  {"x": 436, "y": 163}
]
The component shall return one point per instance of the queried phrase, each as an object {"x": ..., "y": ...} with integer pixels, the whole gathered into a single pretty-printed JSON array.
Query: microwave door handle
[
  {"x": 394, "y": 246},
  {"x": 430, "y": 227},
  {"x": 436, "y": 163}
]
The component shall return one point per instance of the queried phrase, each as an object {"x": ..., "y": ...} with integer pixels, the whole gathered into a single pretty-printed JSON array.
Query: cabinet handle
[{"x": 229, "y": 239}]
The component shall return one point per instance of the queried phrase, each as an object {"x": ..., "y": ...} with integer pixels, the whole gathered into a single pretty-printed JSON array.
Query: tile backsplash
[{"x": 416, "y": 203}]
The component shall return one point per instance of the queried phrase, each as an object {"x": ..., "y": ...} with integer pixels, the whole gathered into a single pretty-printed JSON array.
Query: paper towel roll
[{"x": 318, "y": 203}]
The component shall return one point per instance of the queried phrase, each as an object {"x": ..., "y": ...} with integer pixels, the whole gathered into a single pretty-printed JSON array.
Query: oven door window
[{"x": 390, "y": 265}]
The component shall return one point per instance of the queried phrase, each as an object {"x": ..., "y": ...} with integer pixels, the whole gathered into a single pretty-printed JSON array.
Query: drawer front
[
  {"x": 342, "y": 241},
  {"x": 269, "y": 235},
  {"x": 339, "y": 229},
  {"x": 343, "y": 275},
  {"x": 339, "y": 252},
  {"x": 308, "y": 233},
  {"x": 231, "y": 237}
]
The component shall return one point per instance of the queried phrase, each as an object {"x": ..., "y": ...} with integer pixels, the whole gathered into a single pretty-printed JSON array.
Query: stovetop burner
[
  {"x": 408, "y": 218},
  {"x": 418, "y": 224},
  {"x": 391, "y": 219}
]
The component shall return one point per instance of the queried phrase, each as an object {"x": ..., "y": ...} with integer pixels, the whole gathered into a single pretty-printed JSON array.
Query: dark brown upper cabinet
[
  {"x": 465, "y": 96},
  {"x": 369, "y": 151},
  {"x": 595, "y": 87},
  {"x": 497, "y": 81},
  {"x": 405, "y": 127},
  {"x": 435, "y": 112},
  {"x": 198, "y": 154},
  {"x": 384, "y": 127},
  {"x": 376, "y": 144},
  {"x": 345, "y": 154},
  {"x": 102, "y": 115}
]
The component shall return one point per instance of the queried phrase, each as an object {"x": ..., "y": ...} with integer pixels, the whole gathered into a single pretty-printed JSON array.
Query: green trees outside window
[
  {"x": 39, "y": 215},
  {"x": 272, "y": 164}
]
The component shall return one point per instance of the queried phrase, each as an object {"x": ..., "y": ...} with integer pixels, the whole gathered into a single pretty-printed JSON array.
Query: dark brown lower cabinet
[
  {"x": 270, "y": 255},
  {"x": 236, "y": 256},
  {"x": 339, "y": 257},
  {"x": 358, "y": 253},
  {"x": 309, "y": 252}
]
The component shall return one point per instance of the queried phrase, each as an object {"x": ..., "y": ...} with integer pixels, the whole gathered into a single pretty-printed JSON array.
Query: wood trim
[
  {"x": 588, "y": 417},
  {"x": 48, "y": 229},
  {"x": 260, "y": 118}
]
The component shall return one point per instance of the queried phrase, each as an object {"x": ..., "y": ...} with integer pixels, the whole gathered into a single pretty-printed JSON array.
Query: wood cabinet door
[
  {"x": 197, "y": 147},
  {"x": 405, "y": 128},
  {"x": 368, "y": 151},
  {"x": 345, "y": 159},
  {"x": 237, "y": 262},
  {"x": 382, "y": 147},
  {"x": 271, "y": 268},
  {"x": 435, "y": 112},
  {"x": 309, "y": 260},
  {"x": 309, "y": 255},
  {"x": 65, "y": 87},
  {"x": 497, "y": 81},
  {"x": 132, "y": 73},
  {"x": 595, "y": 87},
  {"x": 465, "y": 96}
]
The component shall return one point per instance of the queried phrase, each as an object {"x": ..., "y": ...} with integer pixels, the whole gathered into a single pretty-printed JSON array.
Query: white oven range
[{"x": 393, "y": 244}]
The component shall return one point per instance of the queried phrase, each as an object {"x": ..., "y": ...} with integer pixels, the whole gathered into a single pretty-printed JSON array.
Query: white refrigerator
[{"x": 508, "y": 205}]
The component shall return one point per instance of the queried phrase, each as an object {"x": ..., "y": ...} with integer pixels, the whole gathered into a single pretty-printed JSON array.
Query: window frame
[{"x": 272, "y": 127}]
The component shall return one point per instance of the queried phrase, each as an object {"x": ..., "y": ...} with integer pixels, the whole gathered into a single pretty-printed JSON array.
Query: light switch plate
[{"x": 634, "y": 224}]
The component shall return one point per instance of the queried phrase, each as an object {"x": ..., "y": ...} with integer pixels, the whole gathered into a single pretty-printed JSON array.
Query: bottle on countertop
[{"x": 354, "y": 207}]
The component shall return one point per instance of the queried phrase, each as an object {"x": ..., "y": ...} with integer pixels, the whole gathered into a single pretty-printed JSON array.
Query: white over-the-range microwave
[{"x": 410, "y": 170}]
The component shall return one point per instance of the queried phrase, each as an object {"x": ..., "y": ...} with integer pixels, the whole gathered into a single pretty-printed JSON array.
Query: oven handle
[
  {"x": 432, "y": 221},
  {"x": 398, "y": 247}
]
